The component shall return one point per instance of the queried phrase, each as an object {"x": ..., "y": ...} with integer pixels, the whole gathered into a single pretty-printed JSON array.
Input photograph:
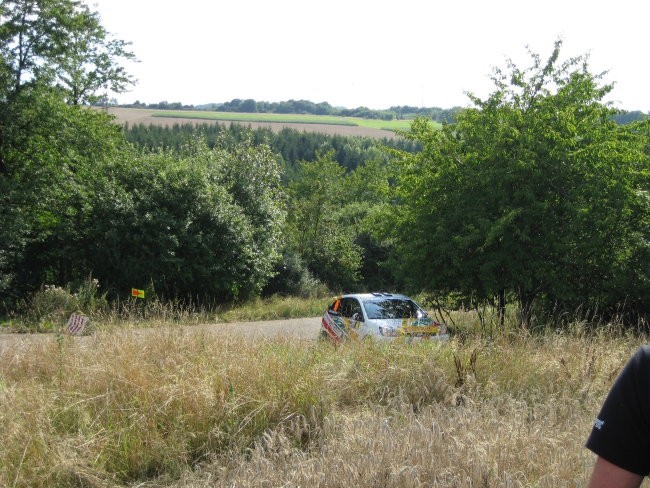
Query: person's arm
[{"x": 608, "y": 475}]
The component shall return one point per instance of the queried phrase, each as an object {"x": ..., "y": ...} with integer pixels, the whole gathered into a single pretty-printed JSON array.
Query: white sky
[{"x": 372, "y": 53}]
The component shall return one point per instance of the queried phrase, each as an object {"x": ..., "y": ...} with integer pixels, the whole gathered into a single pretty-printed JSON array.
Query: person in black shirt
[{"x": 620, "y": 436}]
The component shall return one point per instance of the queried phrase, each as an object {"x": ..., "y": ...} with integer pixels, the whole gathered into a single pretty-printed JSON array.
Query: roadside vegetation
[
  {"x": 496, "y": 406},
  {"x": 48, "y": 310}
]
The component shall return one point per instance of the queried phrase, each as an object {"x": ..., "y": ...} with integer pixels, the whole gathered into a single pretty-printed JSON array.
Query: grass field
[
  {"x": 179, "y": 408},
  {"x": 287, "y": 118},
  {"x": 344, "y": 126}
]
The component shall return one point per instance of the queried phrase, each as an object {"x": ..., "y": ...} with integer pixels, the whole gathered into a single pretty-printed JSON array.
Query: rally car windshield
[{"x": 391, "y": 308}]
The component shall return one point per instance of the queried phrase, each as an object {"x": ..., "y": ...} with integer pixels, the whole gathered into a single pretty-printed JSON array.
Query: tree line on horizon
[
  {"x": 306, "y": 107},
  {"x": 398, "y": 112},
  {"x": 534, "y": 198}
]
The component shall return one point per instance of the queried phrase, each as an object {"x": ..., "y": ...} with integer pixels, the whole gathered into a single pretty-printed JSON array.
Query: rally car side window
[
  {"x": 350, "y": 306},
  {"x": 345, "y": 307},
  {"x": 356, "y": 314}
]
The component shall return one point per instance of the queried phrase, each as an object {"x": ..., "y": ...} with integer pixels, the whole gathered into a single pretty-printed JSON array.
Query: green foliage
[
  {"x": 50, "y": 307},
  {"x": 534, "y": 194},
  {"x": 357, "y": 200},
  {"x": 51, "y": 52},
  {"x": 78, "y": 200},
  {"x": 205, "y": 223},
  {"x": 291, "y": 144},
  {"x": 277, "y": 307},
  {"x": 317, "y": 196},
  {"x": 50, "y": 152},
  {"x": 335, "y": 222},
  {"x": 60, "y": 44},
  {"x": 292, "y": 277}
]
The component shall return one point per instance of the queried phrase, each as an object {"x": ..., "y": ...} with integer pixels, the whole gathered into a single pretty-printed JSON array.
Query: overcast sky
[{"x": 372, "y": 53}]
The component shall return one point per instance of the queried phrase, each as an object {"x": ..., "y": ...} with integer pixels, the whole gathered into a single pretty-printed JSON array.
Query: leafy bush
[
  {"x": 51, "y": 306},
  {"x": 292, "y": 277}
]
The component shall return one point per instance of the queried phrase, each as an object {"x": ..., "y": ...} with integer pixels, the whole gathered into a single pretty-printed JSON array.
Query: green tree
[
  {"x": 59, "y": 43},
  {"x": 51, "y": 52},
  {"x": 201, "y": 224},
  {"x": 367, "y": 212},
  {"x": 51, "y": 157},
  {"x": 314, "y": 227},
  {"x": 533, "y": 194}
]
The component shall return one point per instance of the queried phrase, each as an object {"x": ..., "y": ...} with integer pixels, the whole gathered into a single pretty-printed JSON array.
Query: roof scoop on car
[{"x": 381, "y": 294}]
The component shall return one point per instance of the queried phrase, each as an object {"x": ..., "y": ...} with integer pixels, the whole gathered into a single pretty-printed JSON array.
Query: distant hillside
[
  {"x": 137, "y": 116},
  {"x": 305, "y": 107},
  {"x": 402, "y": 112}
]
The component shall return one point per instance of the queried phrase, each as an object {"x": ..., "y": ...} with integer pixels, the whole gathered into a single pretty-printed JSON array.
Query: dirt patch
[{"x": 134, "y": 116}]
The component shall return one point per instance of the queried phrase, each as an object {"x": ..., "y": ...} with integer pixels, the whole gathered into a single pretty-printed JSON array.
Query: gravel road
[
  {"x": 292, "y": 328},
  {"x": 303, "y": 329}
]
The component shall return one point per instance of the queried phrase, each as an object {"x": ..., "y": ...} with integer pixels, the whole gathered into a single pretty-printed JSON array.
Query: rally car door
[{"x": 352, "y": 317}]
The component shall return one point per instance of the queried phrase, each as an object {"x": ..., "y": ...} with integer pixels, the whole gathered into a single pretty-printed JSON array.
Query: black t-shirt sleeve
[{"x": 621, "y": 433}]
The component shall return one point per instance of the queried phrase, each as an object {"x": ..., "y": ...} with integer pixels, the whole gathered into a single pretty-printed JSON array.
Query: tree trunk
[
  {"x": 501, "y": 307},
  {"x": 525, "y": 309}
]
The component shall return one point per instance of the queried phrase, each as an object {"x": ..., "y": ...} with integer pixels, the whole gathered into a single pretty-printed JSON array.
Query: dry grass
[
  {"x": 275, "y": 307},
  {"x": 179, "y": 408}
]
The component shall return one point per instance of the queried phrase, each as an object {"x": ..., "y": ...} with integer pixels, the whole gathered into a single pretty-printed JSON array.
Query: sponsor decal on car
[
  {"x": 422, "y": 327},
  {"x": 335, "y": 327},
  {"x": 340, "y": 328},
  {"x": 421, "y": 330}
]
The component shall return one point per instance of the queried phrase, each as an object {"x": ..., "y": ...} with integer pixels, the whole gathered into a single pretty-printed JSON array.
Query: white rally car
[{"x": 384, "y": 316}]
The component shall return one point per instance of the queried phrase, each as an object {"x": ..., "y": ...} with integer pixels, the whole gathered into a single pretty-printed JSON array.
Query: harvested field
[{"x": 134, "y": 116}]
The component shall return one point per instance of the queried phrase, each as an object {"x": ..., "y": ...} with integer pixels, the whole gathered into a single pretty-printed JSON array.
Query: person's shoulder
[
  {"x": 644, "y": 350},
  {"x": 642, "y": 355},
  {"x": 639, "y": 364}
]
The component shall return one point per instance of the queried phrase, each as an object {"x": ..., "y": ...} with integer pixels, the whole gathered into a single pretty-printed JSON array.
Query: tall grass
[
  {"x": 178, "y": 407},
  {"x": 273, "y": 308},
  {"x": 123, "y": 406}
]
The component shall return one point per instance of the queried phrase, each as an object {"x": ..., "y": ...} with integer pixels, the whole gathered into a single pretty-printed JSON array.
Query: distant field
[
  {"x": 286, "y": 118},
  {"x": 331, "y": 125}
]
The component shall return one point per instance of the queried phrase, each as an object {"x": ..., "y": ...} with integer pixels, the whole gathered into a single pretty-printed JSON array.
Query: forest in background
[
  {"x": 292, "y": 145},
  {"x": 533, "y": 197}
]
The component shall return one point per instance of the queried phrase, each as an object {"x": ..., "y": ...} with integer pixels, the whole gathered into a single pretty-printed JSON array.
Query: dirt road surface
[{"x": 302, "y": 329}]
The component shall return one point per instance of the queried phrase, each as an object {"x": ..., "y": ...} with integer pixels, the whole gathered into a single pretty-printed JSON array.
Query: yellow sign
[{"x": 137, "y": 293}]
